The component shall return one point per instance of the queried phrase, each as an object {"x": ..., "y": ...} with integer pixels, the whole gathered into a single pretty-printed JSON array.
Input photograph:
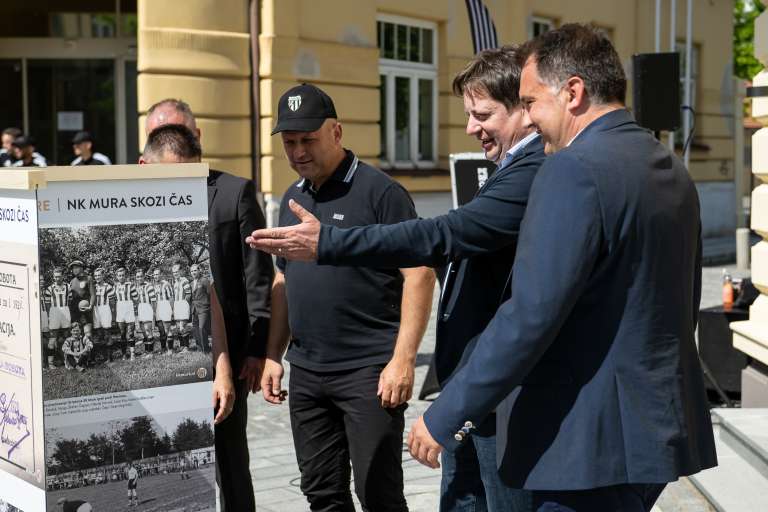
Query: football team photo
[{"x": 124, "y": 307}]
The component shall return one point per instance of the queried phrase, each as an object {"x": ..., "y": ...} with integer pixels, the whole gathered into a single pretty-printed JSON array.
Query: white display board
[{"x": 101, "y": 376}]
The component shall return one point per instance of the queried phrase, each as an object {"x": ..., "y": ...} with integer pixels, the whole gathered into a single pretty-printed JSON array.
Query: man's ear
[
  {"x": 337, "y": 131},
  {"x": 577, "y": 93}
]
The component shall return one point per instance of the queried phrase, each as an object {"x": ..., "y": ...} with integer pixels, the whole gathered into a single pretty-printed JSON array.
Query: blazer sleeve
[
  {"x": 487, "y": 223},
  {"x": 258, "y": 270},
  {"x": 559, "y": 245}
]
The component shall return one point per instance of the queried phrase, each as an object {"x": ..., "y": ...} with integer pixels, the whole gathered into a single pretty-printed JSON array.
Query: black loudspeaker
[{"x": 656, "y": 90}]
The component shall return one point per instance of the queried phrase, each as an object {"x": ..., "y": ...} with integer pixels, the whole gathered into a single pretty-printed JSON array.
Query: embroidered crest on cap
[{"x": 294, "y": 102}]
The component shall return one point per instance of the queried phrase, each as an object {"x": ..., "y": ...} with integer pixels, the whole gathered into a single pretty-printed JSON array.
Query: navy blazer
[
  {"x": 597, "y": 339},
  {"x": 478, "y": 240}
]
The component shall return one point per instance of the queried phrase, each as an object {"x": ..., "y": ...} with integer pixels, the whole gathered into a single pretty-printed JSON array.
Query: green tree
[
  {"x": 190, "y": 435},
  {"x": 72, "y": 455},
  {"x": 140, "y": 438},
  {"x": 745, "y": 65}
]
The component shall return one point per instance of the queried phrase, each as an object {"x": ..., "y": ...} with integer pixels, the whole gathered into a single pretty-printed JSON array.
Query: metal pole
[
  {"x": 672, "y": 48},
  {"x": 688, "y": 66},
  {"x": 657, "y": 28}
]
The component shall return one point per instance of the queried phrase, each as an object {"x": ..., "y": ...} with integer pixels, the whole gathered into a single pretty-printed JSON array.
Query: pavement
[{"x": 276, "y": 474}]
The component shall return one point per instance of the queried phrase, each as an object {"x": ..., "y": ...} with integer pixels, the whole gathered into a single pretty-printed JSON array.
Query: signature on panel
[{"x": 14, "y": 428}]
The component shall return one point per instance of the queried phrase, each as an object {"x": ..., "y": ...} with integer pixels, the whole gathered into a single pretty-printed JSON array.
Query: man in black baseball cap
[
  {"x": 353, "y": 333},
  {"x": 83, "y": 146},
  {"x": 23, "y": 147},
  {"x": 303, "y": 109}
]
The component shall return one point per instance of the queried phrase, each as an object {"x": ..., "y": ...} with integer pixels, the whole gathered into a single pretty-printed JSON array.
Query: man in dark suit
[
  {"x": 201, "y": 307},
  {"x": 477, "y": 242},
  {"x": 597, "y": 339},
  {"x": 242, "y": 279}
]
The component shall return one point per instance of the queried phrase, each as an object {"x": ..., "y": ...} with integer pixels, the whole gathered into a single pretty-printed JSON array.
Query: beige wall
[{"x": 198, "y": 50}]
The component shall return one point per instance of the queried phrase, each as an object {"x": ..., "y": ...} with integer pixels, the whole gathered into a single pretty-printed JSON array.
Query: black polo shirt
[{"x": 344, "y": 317}]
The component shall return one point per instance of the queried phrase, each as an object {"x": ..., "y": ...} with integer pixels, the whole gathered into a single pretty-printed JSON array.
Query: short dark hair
[
  {"x": 12, "y": 131},
  {"x": 495, "y": 72},
  {"x": 579, "y": 50},
  {"x": 175, "y": 139}
]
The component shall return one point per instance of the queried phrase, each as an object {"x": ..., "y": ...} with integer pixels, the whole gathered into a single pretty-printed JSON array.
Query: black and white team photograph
[
  {"x": 124, "y": 307},
  {"x": 149, "y": 463}
]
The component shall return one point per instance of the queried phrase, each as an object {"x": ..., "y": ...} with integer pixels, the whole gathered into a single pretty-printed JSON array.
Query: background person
[
  {"x": 126, "y": 297},
  {"x": 76, "y": 349},
  {"x": 241, "y": 282},
  {"x": 67, "y": 505},
  {"x": 24, "y": 152},
  {"x": 145, "y": 310},
  {"x": 201, "y": 307},
  {"x": 354, "y": 333},
  {"x": 83, "y": 147},
  {"x": 7, "y": 155},
  {"x": 182, "y": 294},
  {"x": 56, "y": 300}
]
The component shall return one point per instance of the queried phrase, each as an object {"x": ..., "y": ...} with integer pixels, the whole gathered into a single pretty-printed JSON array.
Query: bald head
[{"x": 170, "y": 111}]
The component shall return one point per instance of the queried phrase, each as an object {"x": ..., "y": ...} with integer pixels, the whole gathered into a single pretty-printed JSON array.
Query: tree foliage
[
  {"x": 141, "y": 246},
  {"x": 745, "y": 65},
  {"x": 130, "y": 440},
  {"x": 190, "y": 435}
]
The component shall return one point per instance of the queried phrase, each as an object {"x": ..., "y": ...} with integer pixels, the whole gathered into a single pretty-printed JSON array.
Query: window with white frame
[
  {"x": 539, "y": 25},
  {"x": 408, "y": 73}
]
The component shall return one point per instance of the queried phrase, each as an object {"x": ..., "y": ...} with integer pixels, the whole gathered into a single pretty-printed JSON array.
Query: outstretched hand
[{"x": 298, "y": 242}]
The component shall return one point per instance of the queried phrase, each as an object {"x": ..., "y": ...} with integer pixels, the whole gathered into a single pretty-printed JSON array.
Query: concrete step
[{"x": 740, "y": 482}]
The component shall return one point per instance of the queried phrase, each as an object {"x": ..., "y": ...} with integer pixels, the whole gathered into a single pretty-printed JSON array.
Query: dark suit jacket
[
  {"x": 597, "y": 339},
  {"x": 242, "y": 277},
  {"x": 478, "y": 240},
  {"x": 201, "y": 299}
]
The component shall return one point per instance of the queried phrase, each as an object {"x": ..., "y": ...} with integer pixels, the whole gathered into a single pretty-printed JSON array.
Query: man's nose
[{"x": 473, "y": 127}]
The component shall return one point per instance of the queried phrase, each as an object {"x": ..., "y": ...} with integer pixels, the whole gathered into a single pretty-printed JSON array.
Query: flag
[{"x": 483, "y": 29}]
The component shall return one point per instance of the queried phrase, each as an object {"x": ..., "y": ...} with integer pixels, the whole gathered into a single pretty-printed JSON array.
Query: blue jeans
[{"x": 471, "y": 483}]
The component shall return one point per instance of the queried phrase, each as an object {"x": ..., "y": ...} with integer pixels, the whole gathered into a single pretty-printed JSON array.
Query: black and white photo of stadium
[{"x": 147, "y": 463}]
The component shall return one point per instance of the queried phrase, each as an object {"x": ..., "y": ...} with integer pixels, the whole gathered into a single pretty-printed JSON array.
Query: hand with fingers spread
[
  {"x": 271, "y": 378},
  {"x": 251, "y": 372},
  {"x": 298, "y": 242},
  {"x": 396, "y": 382},
  {"x": 423, "y": 446}
]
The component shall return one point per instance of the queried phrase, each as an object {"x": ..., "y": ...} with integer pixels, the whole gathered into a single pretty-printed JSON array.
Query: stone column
[
  {"x": 751, "y": 337},
  {"x": 198, "y": 51}
]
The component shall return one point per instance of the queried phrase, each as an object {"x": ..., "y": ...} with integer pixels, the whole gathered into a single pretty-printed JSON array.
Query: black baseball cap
[
  {"x": 82, "y": 137},
  {"x": 303, "y": 108},
  {"x": 23, "y": 141}
]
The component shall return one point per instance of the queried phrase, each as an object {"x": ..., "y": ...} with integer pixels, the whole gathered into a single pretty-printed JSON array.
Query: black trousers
[
  {"x": 232, "y": 460},
  {"x": 336, "y": 418},
  {"x": 201, "y": 321},
  {"x": 614, "y": 498}
]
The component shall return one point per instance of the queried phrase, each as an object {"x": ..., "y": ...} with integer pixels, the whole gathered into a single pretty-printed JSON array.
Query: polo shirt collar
[{"x": 343, "y": 173}]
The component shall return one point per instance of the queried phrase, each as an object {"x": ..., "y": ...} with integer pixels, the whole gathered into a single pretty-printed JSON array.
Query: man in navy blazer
[
  {"x": 477, "y": 242},
  {"x": 597, "y": 339}
]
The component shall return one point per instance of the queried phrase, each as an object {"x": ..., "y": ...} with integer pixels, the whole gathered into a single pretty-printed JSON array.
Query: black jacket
[{"x": 242, "y": 277}]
